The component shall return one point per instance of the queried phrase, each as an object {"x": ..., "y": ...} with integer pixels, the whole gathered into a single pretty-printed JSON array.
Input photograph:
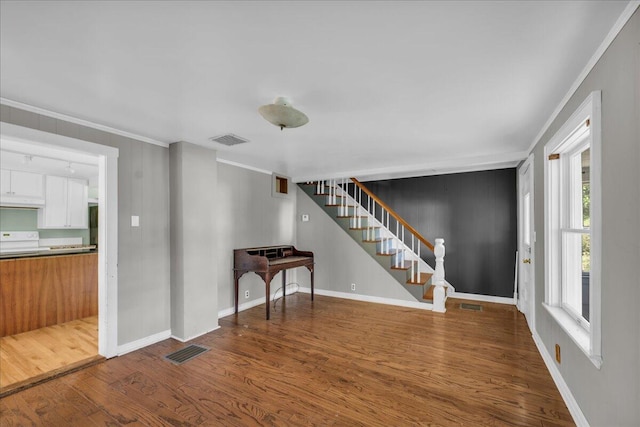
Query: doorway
[
  {"x": 107, "y": 158},
  {"x": 526, "y": 243}
]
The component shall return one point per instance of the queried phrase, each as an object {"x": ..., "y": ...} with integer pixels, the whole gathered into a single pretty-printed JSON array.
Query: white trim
[
  {"x": 483, "y": 298},
  {"x": 455, "y": 165},
  {"x": 194, "y": 336},
  {"x": 591, "y": 109},
  {"x": 292, "y": 288},
  {"x": 531, "y": 310},
  {"x": 108, "y": 223},
  {"x": 368, "y": 298},
  {"x": 565, "y": 392},
  {"x": 143, "y": 342},
  {"x": 617, "y": 27},
  {"x": 243, "y": 166},
  {"x": 81, "y": 122},
  {"x": 241, "y": 307}
]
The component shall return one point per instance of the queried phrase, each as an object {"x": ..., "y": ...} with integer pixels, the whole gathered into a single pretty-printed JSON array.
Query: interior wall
[
  {"x": 339, "y": 260},
  {"x": 143, "y": 252},
  {"x": 194, "y": 291},
  {"x": 608, "y": 396},
  {"x": 475, "y": 213},
  {"x": 249, "y": 216}
]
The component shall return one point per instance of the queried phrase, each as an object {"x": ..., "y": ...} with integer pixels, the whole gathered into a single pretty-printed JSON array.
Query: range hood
[{"x": 21, "y": 202}]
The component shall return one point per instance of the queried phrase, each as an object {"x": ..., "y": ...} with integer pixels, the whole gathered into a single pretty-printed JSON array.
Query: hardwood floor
[
  {"x": 33, "y": 356},
  {"x": 330, "y": 362}
]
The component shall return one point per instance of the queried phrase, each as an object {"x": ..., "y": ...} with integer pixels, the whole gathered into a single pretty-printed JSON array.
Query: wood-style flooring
[
  {"x": 330, "y": 362},
  {"x": 34, "y": 356}
]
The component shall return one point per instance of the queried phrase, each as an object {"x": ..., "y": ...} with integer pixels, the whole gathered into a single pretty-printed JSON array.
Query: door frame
[
  {"x": 107, "y": 223},
  {"x": 527, "y": 167}
]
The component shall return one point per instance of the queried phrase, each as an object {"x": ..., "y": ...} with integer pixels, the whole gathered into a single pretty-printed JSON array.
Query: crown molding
[
  {"x": 626, "y": 14},
  {"x": 81, "y": 122}
]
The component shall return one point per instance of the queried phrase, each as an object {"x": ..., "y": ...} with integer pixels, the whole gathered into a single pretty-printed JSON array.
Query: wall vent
[{"x": 229, "y": 139}]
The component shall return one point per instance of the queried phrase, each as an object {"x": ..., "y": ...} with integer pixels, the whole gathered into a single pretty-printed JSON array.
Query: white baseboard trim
[
  {"x": 483, "y": 298},
  {"x": 367, "y": 298},
  {"x": 565, "y": 392},
  {"x": 143, "y": 342},
  {"x": 194, "y": 336},
  {"x": 292, "y": 288}
]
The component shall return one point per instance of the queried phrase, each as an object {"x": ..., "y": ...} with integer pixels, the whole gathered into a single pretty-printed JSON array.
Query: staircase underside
[{"x": 419, "y": 286}]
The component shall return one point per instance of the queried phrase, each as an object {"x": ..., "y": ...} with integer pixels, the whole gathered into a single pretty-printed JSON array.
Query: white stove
[{"x": 20, "y": 242}]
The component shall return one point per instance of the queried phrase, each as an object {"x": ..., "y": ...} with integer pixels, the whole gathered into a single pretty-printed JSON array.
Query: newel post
[{"x": 439, "y": 293}]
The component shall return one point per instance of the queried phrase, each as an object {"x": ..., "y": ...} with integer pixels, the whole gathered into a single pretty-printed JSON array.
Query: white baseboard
[
  {"x": 367, "y": 298},
  {"x": 565, "y": 392},
  {"x": 291, "y": 289},
  {"x": 483, "y": 298},
  {"x": 194, "y": 336},
  {"x": 143, "y": 342}
]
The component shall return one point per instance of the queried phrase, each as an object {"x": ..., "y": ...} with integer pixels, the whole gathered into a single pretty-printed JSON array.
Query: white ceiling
[{"x": 390, "y": 88}]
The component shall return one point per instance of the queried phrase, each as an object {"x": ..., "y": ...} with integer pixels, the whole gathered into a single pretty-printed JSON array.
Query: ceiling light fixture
[
  {"x": 282, "y": 114},
  {"x": 69, "y": 169},
  {"x": 27, "y": 159}
]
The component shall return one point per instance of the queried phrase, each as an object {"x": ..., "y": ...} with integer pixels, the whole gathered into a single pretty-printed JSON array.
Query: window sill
[{"x": 576, "y": 332}]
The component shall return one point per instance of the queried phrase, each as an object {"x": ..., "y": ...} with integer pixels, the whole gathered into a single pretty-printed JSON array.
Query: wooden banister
[{"x": 393, "y": 214}]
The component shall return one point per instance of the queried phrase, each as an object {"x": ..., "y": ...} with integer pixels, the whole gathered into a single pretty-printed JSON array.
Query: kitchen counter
[{"x": 51, "y": 252}]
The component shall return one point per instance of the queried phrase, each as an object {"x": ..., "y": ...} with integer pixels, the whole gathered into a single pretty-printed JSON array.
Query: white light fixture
[
  {"x": 27, "y": 159},
  {"x": 282, "y": 114},
  {"x": 69, "y": 169}
]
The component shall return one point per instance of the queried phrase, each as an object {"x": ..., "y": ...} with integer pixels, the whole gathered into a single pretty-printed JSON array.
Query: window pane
[
  {"x": 586, "y": 268},
  {"x": 586, "y": 198},
  {"x": 572, "y": 271}
]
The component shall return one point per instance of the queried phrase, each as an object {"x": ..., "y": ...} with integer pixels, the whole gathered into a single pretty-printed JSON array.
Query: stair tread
[
  {"x": 390, "y": 253},
  {"x": 405, "y": 266}
]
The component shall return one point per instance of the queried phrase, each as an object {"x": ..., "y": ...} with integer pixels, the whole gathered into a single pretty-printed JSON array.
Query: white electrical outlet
[
  {"x": 353, "y": 286},
  {"x": 246, "y": 294}
]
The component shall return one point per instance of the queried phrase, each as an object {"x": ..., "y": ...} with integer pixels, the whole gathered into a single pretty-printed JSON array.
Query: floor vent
[
  {"x": 229, "y": 139},
  {"x": 474, "y": 307},
  {"x": 186, "y": 354}
]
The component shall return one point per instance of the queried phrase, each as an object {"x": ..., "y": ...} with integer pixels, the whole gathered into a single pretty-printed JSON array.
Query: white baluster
[{"x": 439, "y": 293}]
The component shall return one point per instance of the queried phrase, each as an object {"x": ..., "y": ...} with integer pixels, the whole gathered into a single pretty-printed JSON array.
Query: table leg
[
  {"x": 284, "y": 282},
  {"x": 267, "y": 283},
  {"x": 235, "y": 279},
  {"x": 311, "y": 284}
]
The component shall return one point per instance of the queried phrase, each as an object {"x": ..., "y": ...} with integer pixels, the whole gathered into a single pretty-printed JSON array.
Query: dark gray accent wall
[{"x": 475, "y": 213}]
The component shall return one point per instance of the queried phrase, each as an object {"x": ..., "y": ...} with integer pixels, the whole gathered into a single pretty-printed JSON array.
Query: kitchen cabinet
[
  {"x": 65, "y": 203},
  {"x": 18, "y": 188}
]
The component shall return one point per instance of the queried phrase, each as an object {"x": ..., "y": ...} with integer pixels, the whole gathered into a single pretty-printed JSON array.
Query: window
[
  {"x": 280, "y": 186},
  {"x": 572, "y": 227}
]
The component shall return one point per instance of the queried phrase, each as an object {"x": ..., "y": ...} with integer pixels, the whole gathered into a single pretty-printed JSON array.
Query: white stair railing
[{"x": 379, "y": 226}]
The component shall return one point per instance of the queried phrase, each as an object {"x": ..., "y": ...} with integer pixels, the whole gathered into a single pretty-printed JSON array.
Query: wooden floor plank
[
  {"x": 330, "y": 362},
  {"x": 34, "y": 356}
]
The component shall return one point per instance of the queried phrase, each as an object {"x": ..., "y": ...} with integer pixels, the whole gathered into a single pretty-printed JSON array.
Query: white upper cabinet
[
  {"x": 66, "y": 204},
  {"x": 19, "y": 188}
]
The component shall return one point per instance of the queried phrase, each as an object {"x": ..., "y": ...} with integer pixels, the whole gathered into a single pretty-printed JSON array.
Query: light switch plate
[{"x": 135, "y": 221}]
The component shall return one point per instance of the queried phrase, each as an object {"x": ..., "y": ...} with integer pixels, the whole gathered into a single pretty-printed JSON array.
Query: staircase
[{"x": 385, "y": 236}]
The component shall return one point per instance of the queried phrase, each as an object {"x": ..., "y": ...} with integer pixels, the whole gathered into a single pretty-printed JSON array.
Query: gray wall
[
  {"x": 475, "y": 213},
  {"x": 194, "y": 292},
  {"x": 248, "y": 216},
  {"x": 143, "y": 252},
  {"x": 340, "y": 261},
  {"x": 609, "y": 396}
]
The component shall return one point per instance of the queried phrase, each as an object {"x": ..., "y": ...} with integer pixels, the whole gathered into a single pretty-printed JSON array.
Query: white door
[{"x": 526, "y": 237}]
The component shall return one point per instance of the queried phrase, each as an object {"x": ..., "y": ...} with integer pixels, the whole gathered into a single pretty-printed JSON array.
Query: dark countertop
[{"x": 53, "y": 252}]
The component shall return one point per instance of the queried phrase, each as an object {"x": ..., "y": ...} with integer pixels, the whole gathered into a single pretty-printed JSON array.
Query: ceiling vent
[{"x": 229, "y": 139}]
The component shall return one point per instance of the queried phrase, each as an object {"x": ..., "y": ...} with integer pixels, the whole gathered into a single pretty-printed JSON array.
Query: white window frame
[{"x": 586, "y": 335}]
